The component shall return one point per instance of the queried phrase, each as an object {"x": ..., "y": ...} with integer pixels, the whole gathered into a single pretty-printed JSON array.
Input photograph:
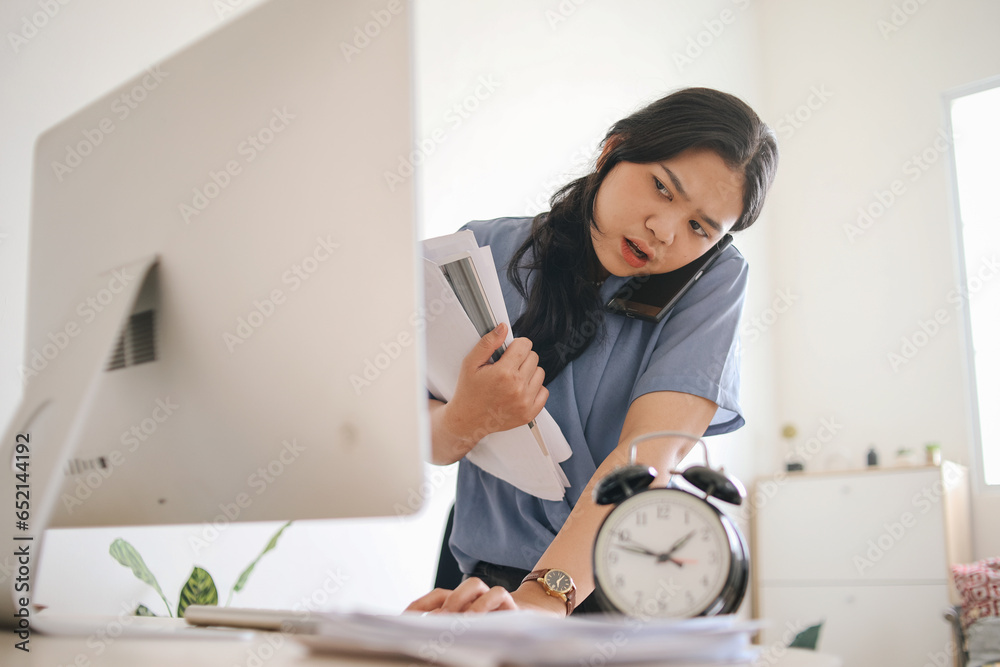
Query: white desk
[
  {"x": 48, "y": 651},
  {"x": 260, "y": 650}
]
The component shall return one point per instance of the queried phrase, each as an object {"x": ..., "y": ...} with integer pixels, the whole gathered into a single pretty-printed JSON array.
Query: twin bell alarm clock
[{"x": 668, "y": 552}]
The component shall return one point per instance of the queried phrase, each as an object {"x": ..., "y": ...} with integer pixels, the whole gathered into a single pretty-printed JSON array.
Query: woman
[{"x": 671, "y": 180}]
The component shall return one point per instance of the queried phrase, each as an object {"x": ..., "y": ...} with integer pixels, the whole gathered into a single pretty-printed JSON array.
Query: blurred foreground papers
[
  {"x": 528, "y": 638},
  {"x": 526, "y": 457}
]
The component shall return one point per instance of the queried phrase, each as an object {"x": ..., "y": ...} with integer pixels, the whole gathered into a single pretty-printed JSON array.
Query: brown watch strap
[{"x": 569, "y": 597}]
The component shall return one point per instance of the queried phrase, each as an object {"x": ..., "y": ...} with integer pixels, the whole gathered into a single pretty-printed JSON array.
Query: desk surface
[
  {"x": 264, "y": 649},
  {"x": 270, "y": 649}
]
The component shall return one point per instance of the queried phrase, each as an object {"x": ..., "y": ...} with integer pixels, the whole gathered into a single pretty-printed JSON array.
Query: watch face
[
  {"x": 558, "y": 581},
  {"x": 666, "y": 553}
]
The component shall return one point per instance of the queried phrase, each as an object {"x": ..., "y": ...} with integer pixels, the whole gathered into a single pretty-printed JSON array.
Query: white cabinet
[{"x": 867, "y": 553}]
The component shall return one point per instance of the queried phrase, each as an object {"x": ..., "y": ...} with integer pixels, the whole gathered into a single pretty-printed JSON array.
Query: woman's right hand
[{"x": 492, "y": 397}]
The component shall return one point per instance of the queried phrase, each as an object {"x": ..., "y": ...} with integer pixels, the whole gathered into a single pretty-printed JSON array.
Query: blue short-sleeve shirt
[{"x": 694, "y": 350}]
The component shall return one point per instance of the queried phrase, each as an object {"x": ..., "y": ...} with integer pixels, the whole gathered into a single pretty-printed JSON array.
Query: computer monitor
[{"x": 223, "y": 296}]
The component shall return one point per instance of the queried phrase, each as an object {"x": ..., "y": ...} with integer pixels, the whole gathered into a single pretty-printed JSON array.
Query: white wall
[{"x": 861, "y": 291}]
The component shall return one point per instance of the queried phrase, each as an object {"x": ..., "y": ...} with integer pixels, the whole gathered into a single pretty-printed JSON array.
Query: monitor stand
[{"x": 62, "y": 391}]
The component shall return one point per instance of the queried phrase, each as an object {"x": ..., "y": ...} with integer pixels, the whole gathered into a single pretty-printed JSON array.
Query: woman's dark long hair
[{"x": 563, "y": 313}]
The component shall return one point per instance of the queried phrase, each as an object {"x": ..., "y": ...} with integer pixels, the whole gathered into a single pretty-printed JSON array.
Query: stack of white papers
[
  {"x": 528, "y": 638},
  {"x": 528, "y": 456}
]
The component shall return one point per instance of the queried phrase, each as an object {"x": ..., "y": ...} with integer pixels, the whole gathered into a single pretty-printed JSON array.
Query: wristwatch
[{"x": 556, "y": 583}]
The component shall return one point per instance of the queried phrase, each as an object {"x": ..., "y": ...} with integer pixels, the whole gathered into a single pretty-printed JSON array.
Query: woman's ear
[{"x": 610, "y": 144}]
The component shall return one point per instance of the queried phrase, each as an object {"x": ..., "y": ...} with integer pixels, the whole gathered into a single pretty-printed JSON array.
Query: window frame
[{"x": 977, "y": 462}]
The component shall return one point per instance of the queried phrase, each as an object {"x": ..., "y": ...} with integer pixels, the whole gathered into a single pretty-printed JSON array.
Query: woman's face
[{"x": 657, "y": 217}]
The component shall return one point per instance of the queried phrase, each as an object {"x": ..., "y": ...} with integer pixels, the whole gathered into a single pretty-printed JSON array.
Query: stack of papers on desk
[
  {"x": 463, "y": 300},
  {"x": 528, "y": 638}
]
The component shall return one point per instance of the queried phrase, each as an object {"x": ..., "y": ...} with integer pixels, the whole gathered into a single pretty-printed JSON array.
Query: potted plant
[{"x": 200, "y": 587}]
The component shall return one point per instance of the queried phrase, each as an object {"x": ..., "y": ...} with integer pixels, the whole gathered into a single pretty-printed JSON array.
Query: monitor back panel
[{"x": 284, "y": 315}]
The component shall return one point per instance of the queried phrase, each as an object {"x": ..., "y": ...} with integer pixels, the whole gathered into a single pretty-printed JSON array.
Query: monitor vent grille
[
  {"x": 137, "y": 343},
  {"x": 80, "y": 466}
]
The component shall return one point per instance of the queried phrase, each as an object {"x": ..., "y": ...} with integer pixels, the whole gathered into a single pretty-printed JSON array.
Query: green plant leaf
[
  {"x": 199, "y": 589},
  {"x": 242, "y": 580},
  {"x": 143, "y": 610},
  {"x": 125, "y": 553},
  {"x": 808, "y": 638}
]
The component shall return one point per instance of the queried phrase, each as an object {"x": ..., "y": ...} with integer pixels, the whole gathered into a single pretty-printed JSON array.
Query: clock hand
[
  {"x": 679, "y": 562},
  {"x": 632, "y": 545},
  {"x": 636, "y": 549},
  {"x": 677, "y": 545},
  {"x": 683, "y": 561}
]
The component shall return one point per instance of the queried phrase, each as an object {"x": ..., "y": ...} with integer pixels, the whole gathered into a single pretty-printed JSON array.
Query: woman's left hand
[{"x": 472, "y": 595}]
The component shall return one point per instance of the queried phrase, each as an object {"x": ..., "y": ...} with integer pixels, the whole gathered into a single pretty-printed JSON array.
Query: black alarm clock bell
[{"x": 666, "y": 552}]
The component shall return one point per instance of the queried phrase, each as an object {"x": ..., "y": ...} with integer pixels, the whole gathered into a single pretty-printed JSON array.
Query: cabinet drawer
[{"x": 868, "y": 527}]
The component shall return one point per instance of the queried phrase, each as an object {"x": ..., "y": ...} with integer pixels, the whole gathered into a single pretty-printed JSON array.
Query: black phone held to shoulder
[{"x": 651, "y": 297}]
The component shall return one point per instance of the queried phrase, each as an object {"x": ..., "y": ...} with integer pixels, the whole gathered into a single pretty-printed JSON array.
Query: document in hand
[
  {"x": 463, "y": 300},
  {"x": 530, "y": 638}
]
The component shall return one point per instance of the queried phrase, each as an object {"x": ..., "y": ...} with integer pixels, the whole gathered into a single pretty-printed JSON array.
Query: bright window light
[{"x": 976, "y": 129}]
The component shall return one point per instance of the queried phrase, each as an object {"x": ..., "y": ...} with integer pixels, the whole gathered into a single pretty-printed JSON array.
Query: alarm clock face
[{"x": 667, "y": 553}]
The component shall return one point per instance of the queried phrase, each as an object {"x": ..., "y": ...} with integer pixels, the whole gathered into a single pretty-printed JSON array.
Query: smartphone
[{"x": 651, "y": 297}]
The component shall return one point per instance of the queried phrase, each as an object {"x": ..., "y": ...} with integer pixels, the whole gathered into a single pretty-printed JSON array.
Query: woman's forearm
[
  {"x": 572, "y": 548},
  {"x": 450, "y": 440}
]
